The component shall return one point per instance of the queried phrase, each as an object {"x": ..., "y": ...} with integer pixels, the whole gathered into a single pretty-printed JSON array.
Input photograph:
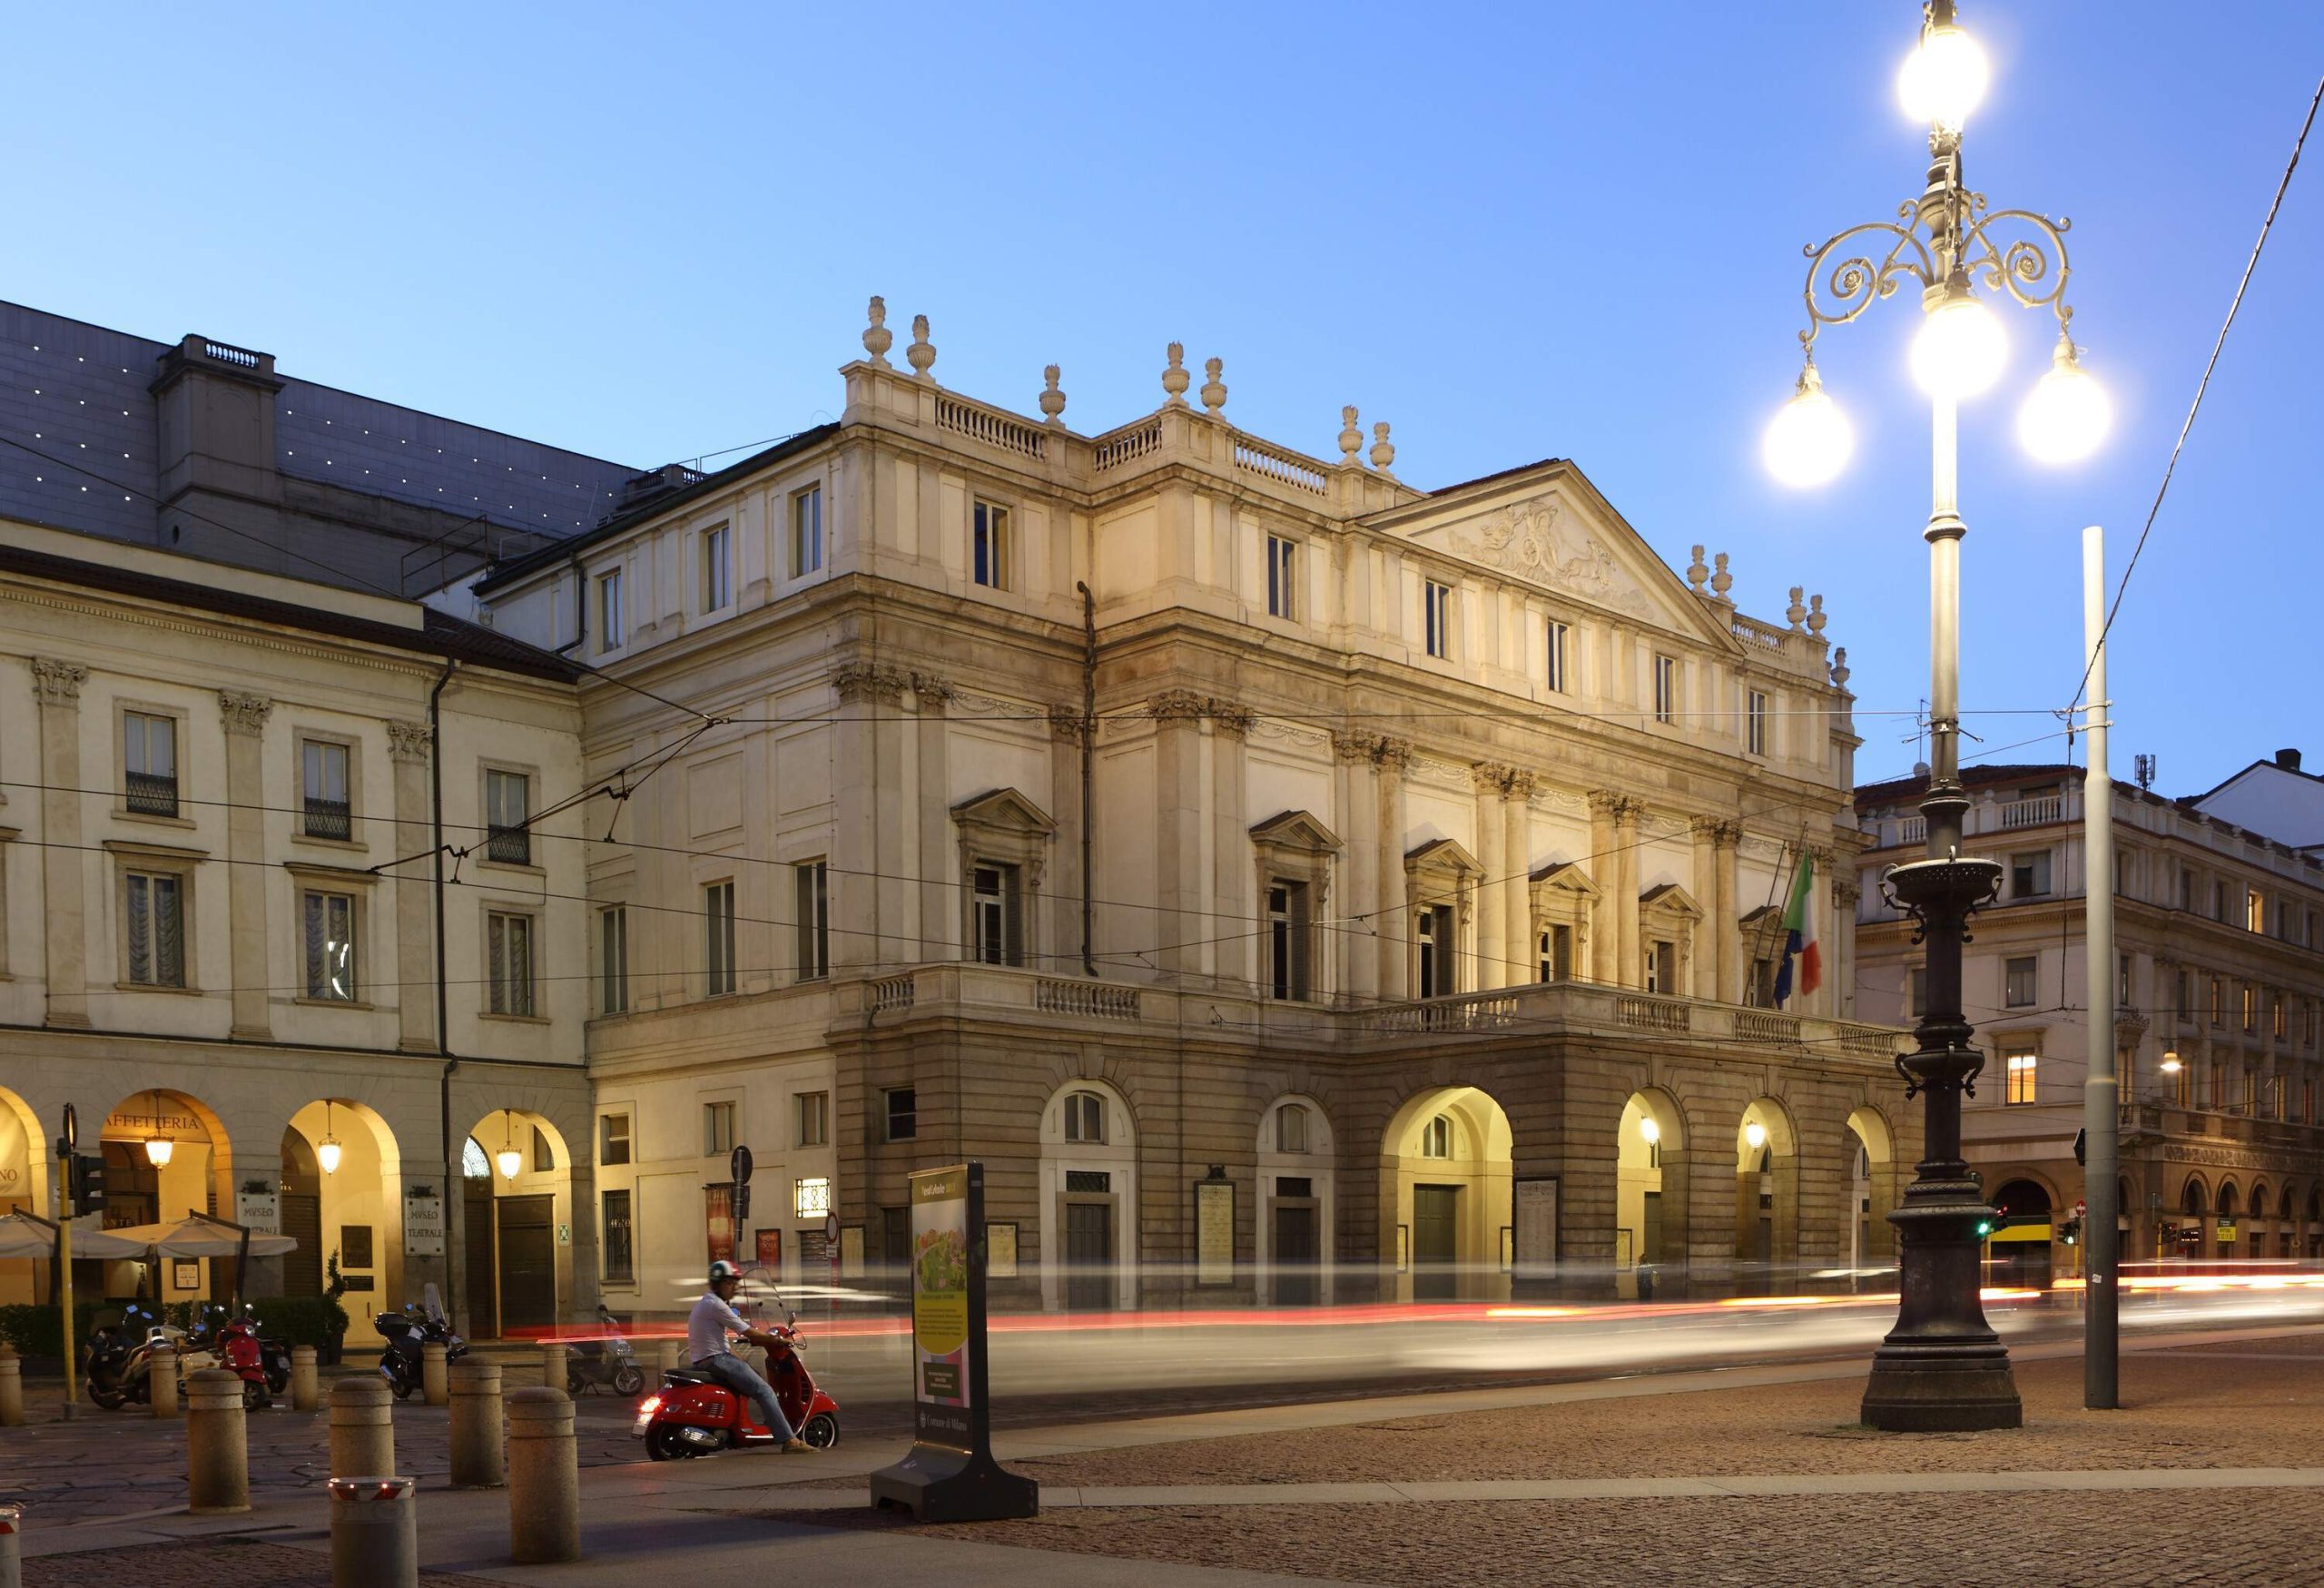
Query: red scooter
[
  {"x": 245, "y": 1357},
  {"x": 692, "y": 1414}
]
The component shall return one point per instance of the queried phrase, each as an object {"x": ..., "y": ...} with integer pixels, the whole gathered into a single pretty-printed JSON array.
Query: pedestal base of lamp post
[{"x": 1942, "y": 1370}]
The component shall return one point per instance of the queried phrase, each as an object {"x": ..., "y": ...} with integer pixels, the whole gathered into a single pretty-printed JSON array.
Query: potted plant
[{"x": 326, "y": 1354}]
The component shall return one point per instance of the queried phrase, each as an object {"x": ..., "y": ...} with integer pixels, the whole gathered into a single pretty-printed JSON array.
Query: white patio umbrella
[
  {"x": 195, "y": 1238},
  {"x": 23, "y": 1236}
]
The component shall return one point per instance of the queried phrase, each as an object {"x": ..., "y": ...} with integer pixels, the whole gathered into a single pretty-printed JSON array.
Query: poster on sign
[{"x": 950, "y": 1474}]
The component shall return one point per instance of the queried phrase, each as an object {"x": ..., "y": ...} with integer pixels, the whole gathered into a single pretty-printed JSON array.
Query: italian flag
[{"x": 1800, "y": 935}]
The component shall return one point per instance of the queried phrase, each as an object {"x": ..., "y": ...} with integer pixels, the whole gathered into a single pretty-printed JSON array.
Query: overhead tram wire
[{"x": 2202, "y": 386}]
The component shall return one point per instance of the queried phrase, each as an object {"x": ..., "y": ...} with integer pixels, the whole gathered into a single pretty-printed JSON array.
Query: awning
[
  {"x": 2040, "y": 1232},
  {"x": 23, "y": 1236},
  {"x": 195, "y": 1238}
]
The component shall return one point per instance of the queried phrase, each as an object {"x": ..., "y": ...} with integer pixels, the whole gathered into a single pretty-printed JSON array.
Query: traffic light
[
  {"x": 1984, "y": 1228},
  {"x": 88, "y": 1183}
]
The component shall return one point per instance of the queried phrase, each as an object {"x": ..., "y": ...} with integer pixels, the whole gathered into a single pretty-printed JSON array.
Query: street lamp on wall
[
  {"x": 328, "y": 1150},
  {"x": 509, "y": 1158},
  {"x": 1942, "y": 1367},
  {"x": 159, "y": 1147}
]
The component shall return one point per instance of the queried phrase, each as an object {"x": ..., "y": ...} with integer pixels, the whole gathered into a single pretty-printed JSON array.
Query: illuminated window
[
  {"x": 2022, "y": 1067},
  {"x": 329, "y": 946},
  {"x": 2255, "y": 911},
  {"x": 810, "y": 1199},
  {"x": 1436, "y": 1138}
]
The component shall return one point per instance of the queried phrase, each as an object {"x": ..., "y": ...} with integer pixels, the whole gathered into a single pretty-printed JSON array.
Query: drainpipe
[
  {"x": 1088, "y": 751},
  {"x": 443, "y": 1013}
]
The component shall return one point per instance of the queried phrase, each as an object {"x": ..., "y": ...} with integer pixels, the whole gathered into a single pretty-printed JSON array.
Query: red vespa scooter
[{"x": 692, "y": 1414}]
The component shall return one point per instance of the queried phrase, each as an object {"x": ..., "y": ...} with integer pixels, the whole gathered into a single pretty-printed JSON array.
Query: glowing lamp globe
[
  {"x": 327, "y": 1153},
  {"x": 159, "y": 1151},
  {"x": 1944, "y": 79},
  {"x": 1755, "y": 1135},
  {"x": 2067, "y": 414},
  {"x": 1960, "y": 349},
  {"x": 1650, "y": 1129},
  {"x": 1808, "y": 440},
  {"x": 510, "y": 1160}
]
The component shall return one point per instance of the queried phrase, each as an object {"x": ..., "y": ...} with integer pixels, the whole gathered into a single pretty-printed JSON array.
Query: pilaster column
[
  {"x": 1233, "y": 927},
  {"x": 245, "y": 718},
  {"x": 410, "y": 746},
  {"x": 1605, "y": 870},
  {"x": 1725, "y": 845},
  {"x": 1490, "y": 778},
  {"x": 1355, "y": 757},
  {"x": 1626, "y": 821},
  {"x": 1517, "y": 889},
  {"x": 1180, "y": 877},
  {"x": 1703, "y": 978},
  {"x": 1067, "y": 736},
  {"x": 1392, "y": 910},
  {"x": 1846, "y": 892},
  {"x": 866, "y": 692},
  {"x": 928, "y": 818},
  {"x": 63, "y": 868}
]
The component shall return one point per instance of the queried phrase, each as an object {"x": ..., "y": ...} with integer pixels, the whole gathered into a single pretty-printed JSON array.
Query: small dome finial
[
  {"x": 1383, "y": 451},
  {"x": 1696, "y": 572},
  {"x": 922, "y": 353},
  {"x": 1816, "y": 618},
  {"x": 1796, "y": 611},
  {"x": 1052, "y": 400},
  {"x": 1213, "y": 389},
  {"x": 1721, "y": 581},
  {"x": 877, "y": 338},
  {"x": 1175, "y": 379},
  {"x": 1840, "y": 668}
]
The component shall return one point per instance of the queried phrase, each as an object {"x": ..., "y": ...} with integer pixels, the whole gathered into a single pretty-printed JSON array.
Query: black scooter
[
  {"x": 113, "y": 1357},
  {"x": 405, "y": 1333},
  {"x": 609, "y": 1361}
]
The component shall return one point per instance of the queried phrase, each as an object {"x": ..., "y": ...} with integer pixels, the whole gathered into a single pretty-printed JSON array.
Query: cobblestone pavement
[
  {"x": 238, "y": 1563},
  {"x": 126, "y": 1462}
]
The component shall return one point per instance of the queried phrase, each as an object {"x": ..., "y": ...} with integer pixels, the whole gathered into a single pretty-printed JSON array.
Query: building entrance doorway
[
  {"x": 527, "y": 1265},
  {"x": 1293, "y": 1251},
  {"x": 1089, "y": 1256},
  {"x": 1436, "y": 1224}
]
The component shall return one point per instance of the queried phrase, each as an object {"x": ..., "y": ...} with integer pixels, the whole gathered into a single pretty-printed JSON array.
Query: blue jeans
[{"x": 735, "y": 1374}]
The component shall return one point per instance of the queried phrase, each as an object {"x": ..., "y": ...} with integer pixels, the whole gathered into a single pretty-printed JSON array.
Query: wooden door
[
  {"x": 302, "y": 1266},
  {"x": 1436, "y": 1276},
  {"x": 1089, "y": 1256},
  {"x": 528, "y": 1262},
  {"x": 1297, "y": 1279}
]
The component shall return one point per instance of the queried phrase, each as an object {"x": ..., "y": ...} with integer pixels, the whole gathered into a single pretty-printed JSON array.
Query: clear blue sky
[{"x": 1562, "y": 229}]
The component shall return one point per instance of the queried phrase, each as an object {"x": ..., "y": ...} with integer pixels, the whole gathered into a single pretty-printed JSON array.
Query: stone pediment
[
  {"x": 1295, "y": 830},
  {"x": 1566, "y": 875},
  {"x": 1671, "y": 900},
  {"x": 1442, "y": 854},
  {"x": 1005, "y": 809}
]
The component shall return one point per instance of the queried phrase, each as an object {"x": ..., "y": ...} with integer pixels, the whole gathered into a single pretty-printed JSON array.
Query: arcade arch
[
  {"x": 166, "y": 1155},
  {"x": 343, "y": 1182},
  {"x": 1088, "y": 1198},
  {"x": 1871, "y": 1148},
  {"x": 25, "y": 1172},
  {"x": 1766, "y": 1191},
  {"x": 1445, "y": 1193},
  {"x": 517, "y": 1184},
  {"x": 1650, "y": 1189},
  {"x": 1296, "y": 1203}
]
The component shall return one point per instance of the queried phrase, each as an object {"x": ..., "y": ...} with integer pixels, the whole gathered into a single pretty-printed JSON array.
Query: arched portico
[
  {"x": 1650, "y": 1222},
  {"x": 516, "y": 1181},
  {"x": 166, "y": 1155},
  {"x": 1445, "y": 1196},
  {"x": 1297, "y": 1203},
  {"x": 1871, "y": 1147},
  {"x": 343, "y": 1182},
  {"x": 1767, "y": 1192},
  {"x": 25, "y": 1171},
  {"x": 1088, "y": 1198}
]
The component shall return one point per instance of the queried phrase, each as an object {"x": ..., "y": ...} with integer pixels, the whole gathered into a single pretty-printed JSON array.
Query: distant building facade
[
  {"x": 2219, "y": 997},
  {"x": 1291, "y": 883}
]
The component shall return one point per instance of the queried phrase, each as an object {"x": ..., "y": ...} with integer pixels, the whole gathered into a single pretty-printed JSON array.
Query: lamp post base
[{"x": 1941, "y": 1388}]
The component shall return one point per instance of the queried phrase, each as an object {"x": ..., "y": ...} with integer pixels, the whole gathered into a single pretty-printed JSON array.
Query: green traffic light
[{"x": 1984, "y": 1228}]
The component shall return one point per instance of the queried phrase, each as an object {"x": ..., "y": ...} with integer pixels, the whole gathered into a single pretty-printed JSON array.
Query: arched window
[
  {"x": 1436, "y": 1137},
  {"x": 1291, "y": 1128},
  {"x": 473, "y": 1165},
  {"x": 2191, "y": 1202},
  {"x": 2227, "y": 1200},
  {"x": 1084, "y": 1117}
]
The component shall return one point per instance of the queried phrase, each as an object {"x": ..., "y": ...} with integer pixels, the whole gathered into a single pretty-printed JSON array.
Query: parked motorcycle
[
  {"x": 116, "y": 1345},
  {"x": 245, "y": 1357},
  {"x": 608, "y": 1360},
  {"x": 692, "y": 1414},
  {"x": 406, "y": 1332}
]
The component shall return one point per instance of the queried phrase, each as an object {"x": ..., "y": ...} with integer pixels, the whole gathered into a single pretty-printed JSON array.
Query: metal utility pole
[{"x": 2102, "y": 1093}]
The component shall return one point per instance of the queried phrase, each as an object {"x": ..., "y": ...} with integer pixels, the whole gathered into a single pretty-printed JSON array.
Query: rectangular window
[
  {"x": 2308, "y": 1103},
  {"x": 2186, "y": 996},
  {"x": 2276, "y": 1014},
  {"x": 508, "y": 952},
  {"x": 2251, "y": 1009},
  {"x": 1287, "y": 940},
  {"x": 989, "y": 551},
  {"x": 2275, "y": 1097},
  {"x": 2122, "y": 982},
  {"x": 997, "y": 934},
  {"x": 1282, "y": 592},
  {"x": 1661, "y": 967},
  {"x": 1666, "y": 689},
  {"x": 2219, "y": 901},
  {"x": 2250, "y": 1092},
  {"x": 1436, "y": 614},
  {"x": 613, "y": 1138},
  {"x": 325, "y": 810},
  {"x": 612, "y": 630},
  {"x": 717, "y": 569},
  {"x": 150, "y": 763},
  {"x": 814, "y": 1117},
  {"x": 2255, "y": 911},
  {"x": 718, "y": 937},
  {"x": 1556, "y": 953},
  {"x": 2022, "y": 1067},
  {"x": 1084, "y": 1117},
  {"x": 717, "y": 1129},
  {"x": 1559, "y": 637},
  {"x": 2018, "y": 977},
  {"x": 156, "y": 929},
  {"x": 620, "y": 1247},
  {"x": 807, "y": 531},
  {"x": 1755, "y": 721},
  {"x": 508, "y": 817},
  {"x": 329, "y": 946},
  {"x": 1920, "y": 991},
  {"x": 2217, "y": 1100},
  {"x": 903, "y": 1114},
  {"x": 812, "y": 915},
  {"x": 2219, "y": 1002},
  {"x": 1434, "y": 932},
  {"x": 1760, "y": 991},
  {"x": 2029, "y": 875},
  {"x": 2186, "y": 889},
  {"x": 613, "y": 960}
]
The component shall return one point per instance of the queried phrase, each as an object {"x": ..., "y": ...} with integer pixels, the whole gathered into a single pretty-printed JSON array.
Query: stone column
[
  {"x": 1179, "y": 881},
  {"x": 1490, "y": 778},
  {"x": 1725, "y": 845},
  {"x": 1703, "y": 976},
  {"x": 410, "y": 745},
  {"x": 1068, "y": 884},
  {"x": 1846, "y": 892},
  {"x": 245, "y": 718},
  {"x": 1235, "y": 923},
  {"x": 1626, "y": 825},
  {"x": 1606, "y": 871},
  {"x": 929, "y": 809},
  {"x": 63, "y": 868},
  {"x": 1392, "y": 913},
  {"x": 1357, "y": 817},
  {"x": 866, "y": 692},
  {"x": 1517, "y": 883}
]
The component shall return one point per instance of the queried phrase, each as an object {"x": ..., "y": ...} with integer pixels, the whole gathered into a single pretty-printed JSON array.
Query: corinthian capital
[
  {"x": 410, "y": 741},
  {"x": 1354, "y": 744},
  {"x": 1178, "y": 706},
  {"x": 868, "y": 680},
  {"x": 1067, "y": 725},
  {"x": 1491, "y": 778},
  {"x": 244, "y": 713},
  {"x": 1394, "y": 754},
  {"x": 56, "y": 683}
]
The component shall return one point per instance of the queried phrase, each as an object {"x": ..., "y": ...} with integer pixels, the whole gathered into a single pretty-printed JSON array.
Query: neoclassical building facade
[
  {"x": 283, "y": 918},
  {"x": 1290, "y": 883}
]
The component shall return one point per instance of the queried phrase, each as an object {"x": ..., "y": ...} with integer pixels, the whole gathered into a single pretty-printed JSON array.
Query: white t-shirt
[{"x": 709, "y": 1326}]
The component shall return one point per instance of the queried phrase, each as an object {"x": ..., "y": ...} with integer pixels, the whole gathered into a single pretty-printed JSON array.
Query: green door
[{"x": 1435, "y": 1243}]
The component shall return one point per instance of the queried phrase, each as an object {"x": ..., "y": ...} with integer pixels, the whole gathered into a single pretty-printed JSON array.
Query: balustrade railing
[
  {"x": 1089, "y": 1000},
  {"x": 895, "y": 992},
  {"x": 1648, "y": 1013},
  {"x": 2036, "y": 812},
  {"x": 1128, "y": 446},
  {"x": 994, "y": 430},
  {"x": 1752, "y": 632},
  {"x": 1282, "y": 467}
]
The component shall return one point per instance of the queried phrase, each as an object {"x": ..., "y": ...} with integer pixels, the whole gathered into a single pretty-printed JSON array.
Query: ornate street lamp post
[{"x": 1942, "y": 1367}]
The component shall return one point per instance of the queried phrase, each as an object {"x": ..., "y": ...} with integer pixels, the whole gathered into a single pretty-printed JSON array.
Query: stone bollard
[
  {"x": 673, "y": 1355},
  {"x": 306, "y": 1392},
  {"x": 475, "y": 1425},
  {"x": 374, "y": 1533},
  {"x": 162, "y": 1381},
  {"x": 362, "y": 1430},
  {"x": 555, "y": 1370},
  {"x": 12, "y": 1571},
  {"x": 217, "y": 1456},
  {"x": 433, "y": 1388},
  {"x": 12, "y": 1389},
  {"x": 544, "y": 1477}
]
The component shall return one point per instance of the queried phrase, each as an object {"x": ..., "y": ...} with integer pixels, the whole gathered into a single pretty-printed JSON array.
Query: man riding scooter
[{"x": 708, "y": 1327}]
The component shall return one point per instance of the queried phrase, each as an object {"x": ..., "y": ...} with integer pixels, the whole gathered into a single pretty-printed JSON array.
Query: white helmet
[{"x": 722, "y": 1269}]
